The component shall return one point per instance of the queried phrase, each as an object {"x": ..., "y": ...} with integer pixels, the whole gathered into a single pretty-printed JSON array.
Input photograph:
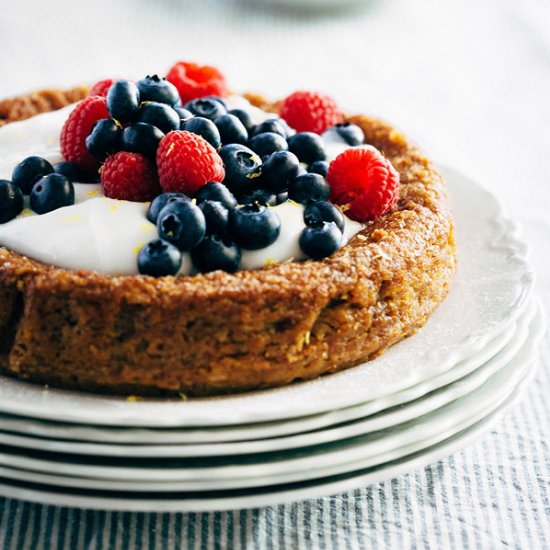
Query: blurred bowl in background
[{"x": 311, "y": 5}]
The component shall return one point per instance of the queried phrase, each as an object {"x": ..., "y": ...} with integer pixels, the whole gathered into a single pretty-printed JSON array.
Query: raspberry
[
  {"x": 365, "y": 181},
  {"x": 77, "y": 127},
  {"x": 193, "y": 81},
  {"x": 101, "y": 88},
  {"x": 186, "y": 162},
  {"x": 310, "y": 112},
  {"x": 130, "y": 177}
]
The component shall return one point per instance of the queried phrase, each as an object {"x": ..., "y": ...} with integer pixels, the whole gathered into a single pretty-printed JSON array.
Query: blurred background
[{"x": 469, "y": 80}]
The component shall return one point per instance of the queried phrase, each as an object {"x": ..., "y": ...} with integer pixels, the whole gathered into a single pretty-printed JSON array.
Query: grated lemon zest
[
  {"x": 147, "y": 228},
  {"x": 139, "y": 247},
  {"x": 73, "y": 218}
]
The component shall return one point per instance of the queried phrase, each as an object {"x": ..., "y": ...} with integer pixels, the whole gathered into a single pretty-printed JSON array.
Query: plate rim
[
  {"x": 187, "y": 485},
  {"x": 322, "y": 487}
]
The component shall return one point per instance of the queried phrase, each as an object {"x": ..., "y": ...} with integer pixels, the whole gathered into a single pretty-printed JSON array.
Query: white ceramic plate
[
  {"x": 386, "y": 419},
  {"x": 267, "y": 496},
  {"x": 493, "y": 281},
  {"x": 276, "y": 468},
  {"x": 249, "y": 432}
]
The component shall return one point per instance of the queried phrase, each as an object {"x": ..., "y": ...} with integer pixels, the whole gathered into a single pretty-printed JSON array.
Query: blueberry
[
  {"x": 181, "y": 223},
  {"x": 141, "y": 138},
  {"x": 206, "y": 107},
  {"x": 218, "y": 99},
  {"x": 323, "y": 211},
  {"x": 11, "y": 201},
  {"x": 260, "y": 196},
  {"x": 279, "y": 170},
  {"x": 254, "y": 226},
  {"x": 104, "y": 138},
  {"x": 214, "y": 191},
  {"x": 307, "y": 146},
  {"x": 154, "y": 88},
  {"x": 203, "y": 127},
  {"x": 159, "y": 258},
  {"x": 215, "y": 253},
  {"x": 161, "y": 201},
  {"x": 123, "y": 100},
  {"x": 244, "y": 117},
  {"x": 267, "y": 143},
  {"x": 309, "y": 188},
  {"x": 216, "y": 216},
  {"x": 350, "y": 133},
  {"x": 160, "y": 115},
  {"x": 320, "y": 240},
  {"x": 51, "y": 192},
  {"x": 242, "y": 167},
  {"x": 272, "y": 125},
  {"x": 75, "y": 173},
  {"x": 28, "y": 171},
  {"x": 231, "y": 129},
  {"x": 184, "y": 114},
  {"x": 318, "y": 167},
  {"x": 282, "y": 197}
]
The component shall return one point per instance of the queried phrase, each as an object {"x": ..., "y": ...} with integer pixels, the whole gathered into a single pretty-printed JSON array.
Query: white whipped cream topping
[
  {"x": 334, "y": 143},
  {"x": 105, "y": 235},
  {"x": 99, "y": 234}
]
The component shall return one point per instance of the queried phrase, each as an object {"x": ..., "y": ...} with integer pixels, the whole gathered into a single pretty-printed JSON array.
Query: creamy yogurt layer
[{"x": 105, "y": 235}]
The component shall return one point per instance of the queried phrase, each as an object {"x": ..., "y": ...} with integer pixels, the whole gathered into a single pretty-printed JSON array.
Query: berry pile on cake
[
  {"x": 145, "y": 146},
  {"x": 175, "y": 237}
]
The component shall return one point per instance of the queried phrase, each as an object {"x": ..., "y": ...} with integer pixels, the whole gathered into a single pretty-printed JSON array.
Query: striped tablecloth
[{"x": 471, "y": 81}]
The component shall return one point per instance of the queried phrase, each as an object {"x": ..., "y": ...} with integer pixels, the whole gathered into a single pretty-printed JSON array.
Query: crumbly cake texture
[
  {"x": 219, "y": 332},
  {"x": 42, "y": 101}
]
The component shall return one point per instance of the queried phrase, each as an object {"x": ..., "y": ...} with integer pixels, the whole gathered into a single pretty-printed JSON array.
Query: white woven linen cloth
[{"x": 470, "y": 81}]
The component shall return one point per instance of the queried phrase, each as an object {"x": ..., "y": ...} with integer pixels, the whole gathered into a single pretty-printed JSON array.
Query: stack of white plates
[{"x": 421, "y": 400}]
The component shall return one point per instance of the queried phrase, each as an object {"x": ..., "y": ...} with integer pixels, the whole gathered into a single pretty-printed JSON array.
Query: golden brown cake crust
[
  {"x": 41, "y": 101},
  {"x": 220, "y": 333}
]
